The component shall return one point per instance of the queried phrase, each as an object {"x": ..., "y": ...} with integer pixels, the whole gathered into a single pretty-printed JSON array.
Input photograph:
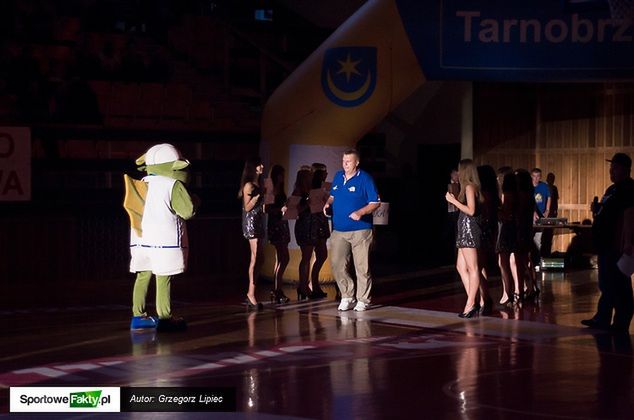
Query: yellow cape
[{"x": 134, "y": 201}]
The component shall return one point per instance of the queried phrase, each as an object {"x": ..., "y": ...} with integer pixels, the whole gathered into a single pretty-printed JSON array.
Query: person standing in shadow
[
  {"x": 489, "y": 223},
  {"x": 547, "y": 234},
  {"x": 525, "y": 285},
  {"x": 452, "y": 214},
  {"x": 278, "y": 232},
  {"x": 616, "y": 303},
  {"x": 542, "y": 209},
  {"x": 506, "y": 244},
  {"x": 303, "y": 183},
  {"x": 319, "y": 230}
]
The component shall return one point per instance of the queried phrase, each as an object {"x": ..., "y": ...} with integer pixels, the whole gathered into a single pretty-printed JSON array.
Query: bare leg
[
  {"x": 304, "y": 268},
  {"x": 470, "y": 256},
  {"x": 483, "y": 259},
  {"x": 321, "y": 253},
  {"x": 505, "y": 272},
  {"x": 518, "y": 268},
  {"x": 254, "y": 267},
  {"x": 461, "y": 266},
  {"x": 281, "y": 262}
]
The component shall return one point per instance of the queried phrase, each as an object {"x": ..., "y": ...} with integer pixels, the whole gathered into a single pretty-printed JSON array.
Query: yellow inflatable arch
[{"x": 347, "y": 86}]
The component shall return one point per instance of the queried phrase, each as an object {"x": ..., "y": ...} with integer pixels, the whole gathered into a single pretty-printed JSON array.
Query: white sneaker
[
  {"x": 346, "y": 304},
  {"x": 361, "y": 306}
]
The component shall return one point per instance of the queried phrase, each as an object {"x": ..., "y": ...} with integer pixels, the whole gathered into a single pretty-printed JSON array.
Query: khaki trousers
[{"x": 343, "y": 245}]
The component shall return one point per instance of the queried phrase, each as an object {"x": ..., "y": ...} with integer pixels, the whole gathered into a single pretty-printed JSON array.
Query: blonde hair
[{"x": 468, "y": 175}]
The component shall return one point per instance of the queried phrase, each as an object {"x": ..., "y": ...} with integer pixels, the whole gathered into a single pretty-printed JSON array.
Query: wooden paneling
[{"x": 568, "y": 130}]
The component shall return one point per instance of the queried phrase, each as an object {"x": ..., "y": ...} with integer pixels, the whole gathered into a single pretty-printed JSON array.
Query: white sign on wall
[{"x": 15, "y": 164}]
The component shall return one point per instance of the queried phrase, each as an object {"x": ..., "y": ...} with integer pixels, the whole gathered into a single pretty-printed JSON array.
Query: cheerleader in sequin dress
[
  {"x": 506, "y": 243},
  {"x": 302, "y": 231},
  {"x": 278, "y": 232},
  {"x": 319, "y": 232},
  {"x": 253, "y": 227},
  {"x": 525, "y": 280},
  {"x": 489, "y": 205},
  {"x": 469, "y": 233}
]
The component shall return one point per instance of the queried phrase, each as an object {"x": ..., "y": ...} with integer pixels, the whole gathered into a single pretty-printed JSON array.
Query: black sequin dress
[
  {"x": 277, "y": 227},
  {"x": 303, "y": 224},
  {"x": 319, "y": 227},
  {"x": 507, "y": 237},
  {"x": 469, "y": 230},
  {"x": 253, "y": 220}
]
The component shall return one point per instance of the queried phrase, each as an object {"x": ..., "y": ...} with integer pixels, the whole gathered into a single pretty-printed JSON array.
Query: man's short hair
[
  {"x": 352, "y": 152},
  {"x": 536, "y": 171}
]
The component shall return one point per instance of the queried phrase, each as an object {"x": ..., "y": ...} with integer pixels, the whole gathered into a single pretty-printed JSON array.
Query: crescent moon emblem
[{"x": 349, "y": 96}]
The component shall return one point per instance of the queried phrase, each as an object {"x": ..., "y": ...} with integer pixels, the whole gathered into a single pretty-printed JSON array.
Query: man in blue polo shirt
[
  {"x": 542, "y": 209},
  {"x": 353, "y": 197}
]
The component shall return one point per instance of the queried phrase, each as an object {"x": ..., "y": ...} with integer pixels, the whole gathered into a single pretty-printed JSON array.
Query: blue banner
[{"x": 538, "y": 40}]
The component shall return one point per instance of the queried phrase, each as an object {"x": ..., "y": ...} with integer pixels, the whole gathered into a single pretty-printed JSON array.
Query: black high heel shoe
[
  {"x": 487, "y": 307},
  {"x": 277, "y": 296},
  {"x": 318, "y": 294},
  {"x": 253, "y": 306},
  {"x": 476, "y": 306},
  {"x": 471, "y": 312},
  {"x": 533, "y": 294},
  {"x": 508, "y": 301},
  {"x": 302, "y": 294}
]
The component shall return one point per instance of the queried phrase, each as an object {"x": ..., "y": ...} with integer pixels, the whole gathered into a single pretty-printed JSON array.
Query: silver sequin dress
[
  {"x": 469, "y": 230},
  {"x": 253, "y": 220}
]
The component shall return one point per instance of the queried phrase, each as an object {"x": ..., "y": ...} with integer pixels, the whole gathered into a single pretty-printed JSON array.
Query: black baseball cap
[{"x": 621, "y": 159}]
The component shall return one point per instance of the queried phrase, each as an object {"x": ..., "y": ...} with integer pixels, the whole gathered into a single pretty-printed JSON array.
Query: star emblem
[{"x": 348, "y": 67}]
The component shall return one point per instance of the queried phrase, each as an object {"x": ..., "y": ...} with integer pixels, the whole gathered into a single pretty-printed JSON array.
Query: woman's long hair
[
  {"x": 490, "y": 192},
  {"x": 302, "y": 182},
  {"x": 319, "y": 176},
  {"x": 509, "y": 184},
  {"x": 277, "y": 178},
  {"x": 468, "y": 175},
  {"x": 249, "y": 173}
]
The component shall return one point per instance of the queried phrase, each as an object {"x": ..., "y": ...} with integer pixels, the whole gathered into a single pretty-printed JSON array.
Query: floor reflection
[{"x": 408, "y": 356}]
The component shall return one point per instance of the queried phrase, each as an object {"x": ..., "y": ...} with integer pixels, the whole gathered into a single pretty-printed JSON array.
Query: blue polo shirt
[
  {"x": 541, "y": 196},
  {"x": 349, "y": 196}
]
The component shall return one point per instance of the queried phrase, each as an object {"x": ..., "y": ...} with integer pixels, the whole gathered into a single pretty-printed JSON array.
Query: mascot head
[{"x": 164, "y": 159}]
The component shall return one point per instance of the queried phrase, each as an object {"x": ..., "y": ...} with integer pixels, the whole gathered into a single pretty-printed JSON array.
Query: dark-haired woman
[
  {"x": 303, "y": 238},
  {"x": 253, "y": 221},
  {"x": 319, "y": 232},
  {"x": 278, "y": 232}
]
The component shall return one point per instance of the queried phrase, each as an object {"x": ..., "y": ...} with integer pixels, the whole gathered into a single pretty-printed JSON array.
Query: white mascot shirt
[{"x": 162, "y": 249}]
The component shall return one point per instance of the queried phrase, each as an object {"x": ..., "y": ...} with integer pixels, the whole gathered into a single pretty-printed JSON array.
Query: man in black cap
[{"x": 616, "y": 288}]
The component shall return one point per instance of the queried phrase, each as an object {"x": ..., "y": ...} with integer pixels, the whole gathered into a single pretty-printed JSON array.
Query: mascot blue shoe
[{"x": 143, "y": 323}]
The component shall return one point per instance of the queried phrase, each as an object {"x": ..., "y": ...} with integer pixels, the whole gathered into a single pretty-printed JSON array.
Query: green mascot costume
[{"x": 158, "y": 206}]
